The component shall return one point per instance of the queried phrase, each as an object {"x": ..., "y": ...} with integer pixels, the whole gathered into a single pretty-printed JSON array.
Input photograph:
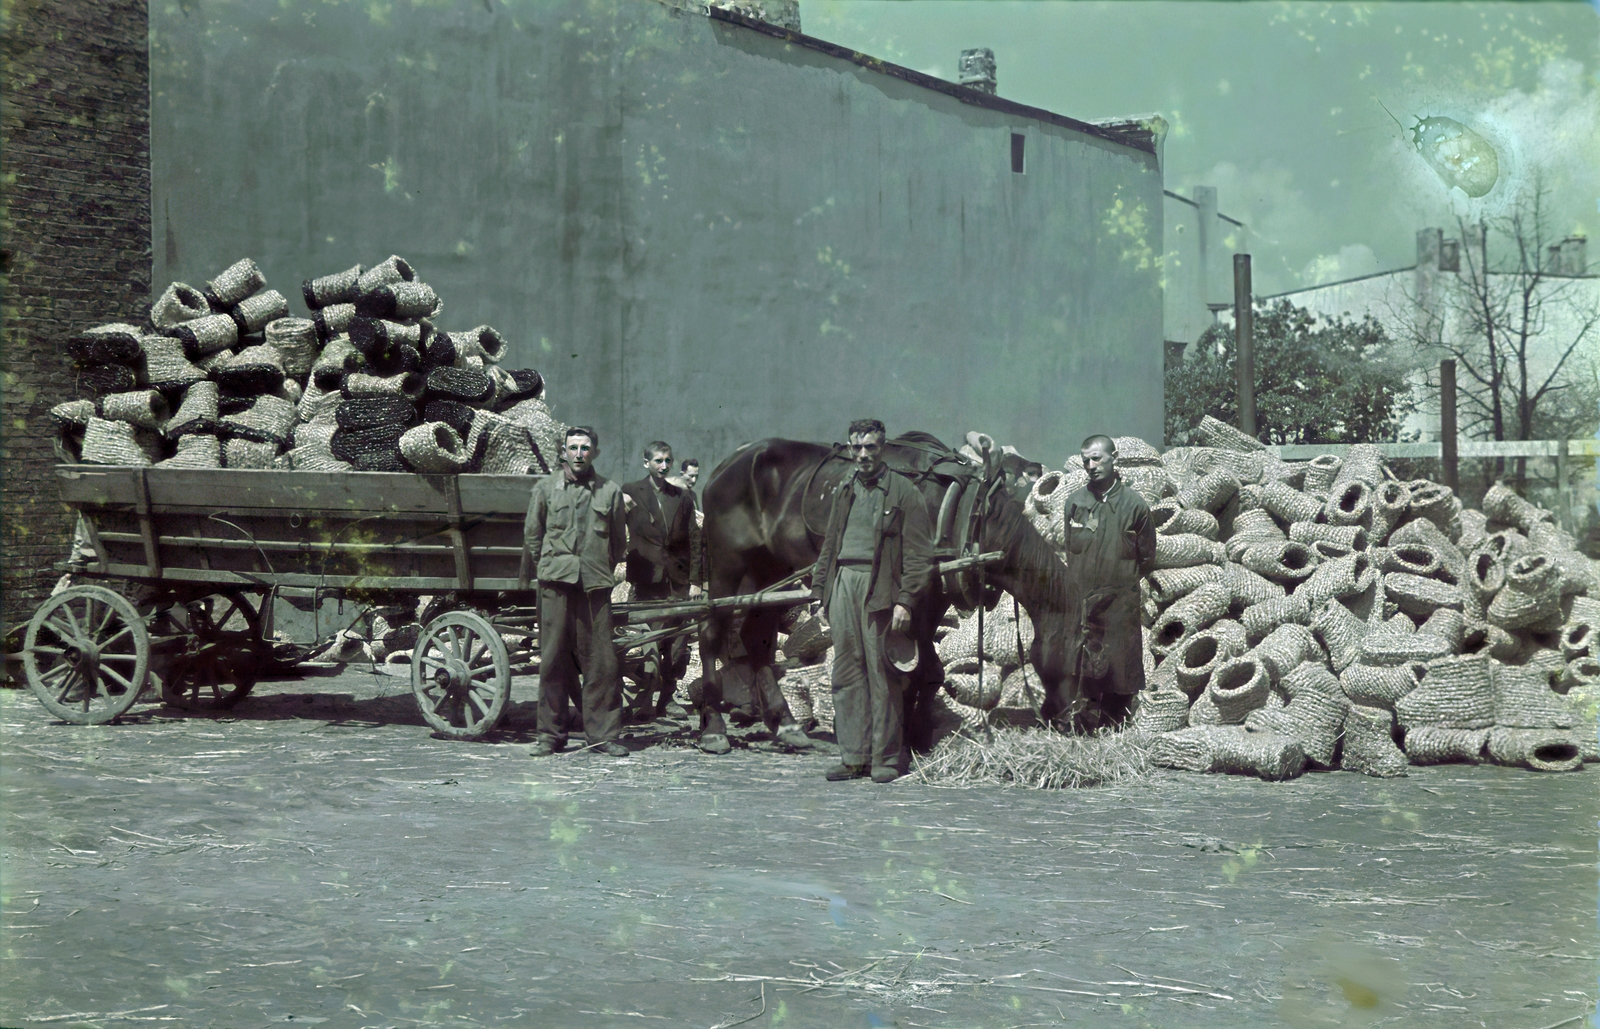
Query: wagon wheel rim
[
  {"x": 461, "y": 675},
  {"x": 213, "y": 677},
  {"x": 86, "y": 655}
]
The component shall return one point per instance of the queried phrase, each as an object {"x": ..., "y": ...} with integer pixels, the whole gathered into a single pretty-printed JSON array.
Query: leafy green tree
[{"x": 1317, "y": 380}]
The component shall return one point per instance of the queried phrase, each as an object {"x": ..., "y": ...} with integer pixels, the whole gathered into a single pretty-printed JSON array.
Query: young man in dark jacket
[
  {"x": 663, "y": 563},
  {"x": 875, "y": 560},
  {"x": 1111, "y": 543}
]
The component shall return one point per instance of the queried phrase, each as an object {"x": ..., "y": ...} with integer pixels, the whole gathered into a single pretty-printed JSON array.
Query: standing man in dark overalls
[
  {"x": 875, "y": 561},
  {"x": 663, "y": 563},
  {"x": 1111, "y": 542}
]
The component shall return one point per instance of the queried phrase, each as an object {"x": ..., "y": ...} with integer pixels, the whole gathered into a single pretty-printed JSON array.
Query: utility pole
[
  {"x": 1244, "y": 328},
  {"x": 1447, "y": 424}
]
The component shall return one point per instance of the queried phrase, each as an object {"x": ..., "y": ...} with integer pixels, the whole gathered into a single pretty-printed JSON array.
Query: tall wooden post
[
  {"x": 1244, "y": 328},
  {"x": 1563, "y": 485},
  {"x": 1447, "y": 424}
]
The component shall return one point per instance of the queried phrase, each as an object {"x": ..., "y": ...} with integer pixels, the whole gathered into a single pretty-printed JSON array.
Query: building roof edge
[{"x": 1135, "y": 135}]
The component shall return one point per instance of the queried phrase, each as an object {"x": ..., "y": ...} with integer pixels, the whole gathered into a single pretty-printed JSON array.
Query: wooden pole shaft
[
  {"x": 1244, "y": 343},
  {"x": 1447, "y": 425}
]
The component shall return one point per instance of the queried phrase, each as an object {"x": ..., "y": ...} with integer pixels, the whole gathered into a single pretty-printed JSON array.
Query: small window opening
[{"x": 1017, "y": 142}]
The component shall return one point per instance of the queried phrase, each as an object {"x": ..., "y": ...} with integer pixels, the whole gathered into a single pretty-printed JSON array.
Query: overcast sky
[{"x": 1276, "y": 104}]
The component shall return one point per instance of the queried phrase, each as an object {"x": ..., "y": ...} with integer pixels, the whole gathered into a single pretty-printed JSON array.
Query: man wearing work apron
[{"x": 1111, "y": 542}]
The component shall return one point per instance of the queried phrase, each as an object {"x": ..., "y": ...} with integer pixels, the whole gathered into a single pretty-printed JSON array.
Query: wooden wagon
[{"x": 223, "y": 564}]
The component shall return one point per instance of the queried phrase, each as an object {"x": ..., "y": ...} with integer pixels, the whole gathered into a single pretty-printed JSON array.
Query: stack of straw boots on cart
[
  {"x": 225, "y": 377},
  {"x": 1324, "y": 614}
]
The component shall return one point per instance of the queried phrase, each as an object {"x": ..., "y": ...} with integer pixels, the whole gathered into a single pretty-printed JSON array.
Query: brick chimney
[
  {"x": 976, "y": 69},
  {"x": 1569, "y": 257}
]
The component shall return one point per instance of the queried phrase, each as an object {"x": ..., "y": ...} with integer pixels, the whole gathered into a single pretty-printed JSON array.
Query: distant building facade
[
  {"x": 1425, "y": 303},
  {"x": 1197, "y": 269}
]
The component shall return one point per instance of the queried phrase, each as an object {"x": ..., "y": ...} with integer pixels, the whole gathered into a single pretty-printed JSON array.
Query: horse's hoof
[
  {"x": 791, "y": 736},
  {"x": 714, "y": 743}
]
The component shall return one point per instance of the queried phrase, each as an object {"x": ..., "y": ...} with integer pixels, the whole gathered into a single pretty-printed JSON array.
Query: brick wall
[{"x": 75, "y": 169}]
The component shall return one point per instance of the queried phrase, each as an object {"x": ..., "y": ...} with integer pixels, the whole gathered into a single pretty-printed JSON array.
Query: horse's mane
[
  {"x": 924, "y": 438},
  {"x": 1037, "y": 575}
]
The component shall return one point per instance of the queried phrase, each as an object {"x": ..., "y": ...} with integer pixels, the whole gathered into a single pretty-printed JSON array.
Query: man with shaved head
[{"x": 1111, "y": 542}]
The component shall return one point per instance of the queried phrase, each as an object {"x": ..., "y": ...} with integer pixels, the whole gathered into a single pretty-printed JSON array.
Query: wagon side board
[{"x": 365, "y": 530}]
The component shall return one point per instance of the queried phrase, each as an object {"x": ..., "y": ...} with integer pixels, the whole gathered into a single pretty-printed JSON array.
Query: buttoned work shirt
[{"x": 577, "y": 532}]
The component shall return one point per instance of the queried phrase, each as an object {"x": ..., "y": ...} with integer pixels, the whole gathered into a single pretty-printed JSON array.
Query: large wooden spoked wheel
[
  {"x": 216, "y": 668},
  {"x": 461, "y": 675},
  {"x": 86, "y": 654}
]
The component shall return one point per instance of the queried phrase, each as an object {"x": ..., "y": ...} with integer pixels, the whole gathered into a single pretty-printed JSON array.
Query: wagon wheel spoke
[
  {"x": 445, "y": 701},
  {"x": 67, "y": 684},
  {"x": 105, "y": 619},
  {"x": 52, "y": 651},
  {"x": 119, "y": 657},
  {"x": 64, "y": 631},
  {"x": 57, "y": 670},
  {"x": 479, "y": 673},
  {"x": 126, "y": 630},
  {"x": 478, "y": 703},
  {"x": 76, "y": 630},
  {"x": 118, "y": 676}
]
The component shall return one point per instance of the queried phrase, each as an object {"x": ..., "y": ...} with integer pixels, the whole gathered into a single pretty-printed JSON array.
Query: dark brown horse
[{"x": 766, "y": 509}]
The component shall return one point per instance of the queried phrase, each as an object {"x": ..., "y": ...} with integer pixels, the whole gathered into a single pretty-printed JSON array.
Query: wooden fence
[{"x": 1563, "y": 451}]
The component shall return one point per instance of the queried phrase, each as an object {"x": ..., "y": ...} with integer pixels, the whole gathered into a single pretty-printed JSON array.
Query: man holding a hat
[{"x": 875, "y": 560}]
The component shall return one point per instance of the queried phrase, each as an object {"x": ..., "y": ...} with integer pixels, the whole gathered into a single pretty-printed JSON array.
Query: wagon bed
[{"x": 218, "y": 553}]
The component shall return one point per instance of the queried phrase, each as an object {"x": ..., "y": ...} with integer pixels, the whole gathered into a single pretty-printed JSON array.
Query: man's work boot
[
  {"x": 791, "y": 735},
  {"x": 842, "y": 772},
  {"x": 714, "y": 743},
  {"x": 543, "y": 748},
  {"x": 612, "y": 748},
  {"x": 884, "y": 773}
]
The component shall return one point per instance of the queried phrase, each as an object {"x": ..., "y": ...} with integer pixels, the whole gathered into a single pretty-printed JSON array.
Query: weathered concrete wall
[
  {"x": 76, "y": 167},
  {"x": 694, "y": 230}
]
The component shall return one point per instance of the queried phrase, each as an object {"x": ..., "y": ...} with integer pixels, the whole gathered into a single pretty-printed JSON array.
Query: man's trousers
[
  {"x": 575, "y": 640},
  {"x": 868, "y": 697},
  {"x": 670, "y": 656}
]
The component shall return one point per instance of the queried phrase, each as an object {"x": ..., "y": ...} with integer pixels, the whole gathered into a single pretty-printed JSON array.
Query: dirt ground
[{"x": 315, "y": 856}]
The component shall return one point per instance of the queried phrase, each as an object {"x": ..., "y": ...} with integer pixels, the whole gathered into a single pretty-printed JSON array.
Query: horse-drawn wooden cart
[{"x": 215, "y": 558}]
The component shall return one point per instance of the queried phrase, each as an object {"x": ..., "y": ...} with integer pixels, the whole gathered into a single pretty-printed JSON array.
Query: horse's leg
[
  {"x": 1048, "y": 654},
  {"x": 929, "y": 675},
  {"x": 726, "y": 574}
]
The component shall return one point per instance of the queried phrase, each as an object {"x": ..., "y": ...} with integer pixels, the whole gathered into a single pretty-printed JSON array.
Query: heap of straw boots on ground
[
  {"x": 1317, "y": 614},
  {"x": 225, "y": 377}
]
